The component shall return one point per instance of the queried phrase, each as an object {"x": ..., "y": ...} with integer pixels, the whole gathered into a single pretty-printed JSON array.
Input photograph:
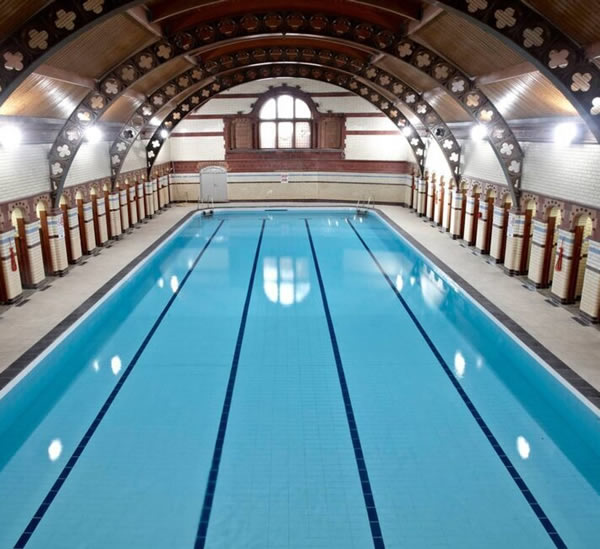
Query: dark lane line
[
  {"x": 358, "y": 452},
  {"x": 531, "y": 500},
  {"x": 39, "y": 514},
  {"x": 211, "y": 484}
]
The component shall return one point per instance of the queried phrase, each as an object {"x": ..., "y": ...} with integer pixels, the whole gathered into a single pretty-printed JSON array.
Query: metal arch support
[
  {"x": 556, "y": 55},
  {"x": 97, "y": 101},
  {"x": 46, "y": 32},
  {"x": 241, "y": 76},
  {"x": 322, "y": 57},
  {"x": 457, "y": 83}
]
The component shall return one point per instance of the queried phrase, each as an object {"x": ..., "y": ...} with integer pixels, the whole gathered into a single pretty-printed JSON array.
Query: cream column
[
  {"x": 74, "y": 235},
  {"x": 562, "y": 264},
  {"x": 469, "y": 218},
  {"x": 590, "y": 296},
  {"x": 430, "y": 208},
  {"x": 155, "y": 203},
  {"x": 124, "y": 210},
  {"x": 149, "y": 199},
  {"x": 9, "y": 267},
  {"x": 58, "y": 247},
  {"x": 115, "y": 215},
  {"x": 514, "y": 242},
  {"x": 456, "y": 213},
  {"x": 133, "y": 206},
  {"x": 90, "y": 234},
  {"x": 102, "y": 228},
  {"x": 34, "y": 252},
  {"x": 421, "y": 195},
  {"x": 141, "y": 199},
  {"x": 481, "y": 237},
  {"x": 538, "y": 252},
  {"x": 497, "y": 232},
  {"x": 446, "y": 214}
]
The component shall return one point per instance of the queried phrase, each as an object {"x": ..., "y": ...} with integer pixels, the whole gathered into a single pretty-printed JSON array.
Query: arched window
[{"x": 285, "y": 123}]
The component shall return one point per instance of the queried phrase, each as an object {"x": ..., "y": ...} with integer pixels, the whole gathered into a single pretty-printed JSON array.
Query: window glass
[
  {"x": 285, "y": 106},
  {"x": 285, "y": 135},
  {"x": 268, "y": 110},
  {"x": 302, "y": 110},
  {"x": 267, "y": 135},
  {"x": 302, "y": 135}
]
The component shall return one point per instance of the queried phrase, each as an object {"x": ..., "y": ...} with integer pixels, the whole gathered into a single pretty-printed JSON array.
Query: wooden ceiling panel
[
  {"x": 447, "y": 107},
  {"x": 44, "y": 97},
  {"x": 15, "y": 13},
  {"x": 409, "y": 74},
  {"x": 468, "y": 46},
  {"x": 528, "y": 96},
  {"x": 121, "y": 109},
  {"x": 161, "y": 75},
  {"x": 95, "y": 52},
  {"x": 580, "y": 19}
]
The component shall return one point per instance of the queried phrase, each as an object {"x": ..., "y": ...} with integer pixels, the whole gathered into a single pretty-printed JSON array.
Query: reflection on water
[
  {"x": 161, "y": 282},
  {"x": 174, "y": 283},
  {"x": 459, "y": 364},
  {"x": 55, "y": 449},
  {"x": 115, "y": 364},
  {"x": 523, "y": 447},
  {"x": 96, "y": 365},
  {"x": 399, "y": 283},
  {"x": 285, "y": 279},
  {"x": 433, "y": 288}
]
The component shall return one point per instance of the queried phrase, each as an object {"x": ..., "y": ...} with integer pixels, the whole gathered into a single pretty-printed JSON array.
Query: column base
[
  {"x": 37, "y": 285},
  {"x": 76, "y": 261},
  {"x": 590, "y": 318},
  {"x": 12, "y": 300}
]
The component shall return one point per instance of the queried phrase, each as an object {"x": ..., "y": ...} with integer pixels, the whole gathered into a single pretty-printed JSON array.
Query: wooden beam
[
  {"x": 429, "y": 14},
  {"x": 408, "y": 10},
  {"x": 506, "y": 74},
  {"x": 165, "y": 10},
  {"x": 140, "y": 15},
  {"x": 65, "y": 76}
]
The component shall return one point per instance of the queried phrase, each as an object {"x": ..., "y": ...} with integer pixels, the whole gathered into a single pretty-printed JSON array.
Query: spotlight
[
  {"x": 154, "y": 121},
  {"x": 407, "y": 131},
  {"x": 478, "y": 133},
  {"x": 10, "y": 136},
  {"x": 164, "y": 134},
  {"x": 565, "y": 133},
  {"x": 93, "y": 134}
]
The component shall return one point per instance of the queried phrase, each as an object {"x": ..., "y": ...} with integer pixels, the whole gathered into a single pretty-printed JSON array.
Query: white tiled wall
[
  {"x": 23, "y": 171},
  {"x": 197, "y": 148},
  {"x": 378, "y": 147},
  {"x": 479, "y": 161},
  {"x": 136, "y": 158},
  {"x": 436, "y": 162},
  {"x": 91, "y": 162}
]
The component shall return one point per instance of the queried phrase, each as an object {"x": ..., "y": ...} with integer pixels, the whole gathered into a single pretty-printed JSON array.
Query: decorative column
[
  {"x": 456, "y": 213},
  {"x": 86, "y": 224},
  {"x": 132, "y": 205},
  {"x": 539, "y": 243},
  {"x": 149, "y": 199},
  {"x": 124, "y": 210},
  {"x": 73, "y": 237},
  {"x": 102, "y": 229},
  {"x": 438, "y": 202},
  {"x": 59, "y": 262},
  {"x": 115, "y": 215},
  {"x": 469, "y": 219},
  {"x": 10, "y": 277},
  {"x": 413, "y": 192},
  {"x": 498, "y": 246},
  {"x": 514, "y": 243},
  {"x": 430, "y": 202},
  {"x": 563, "y": 265},
  {"x": 155, "y": 203},
  {"x": 141, "y": 202},
  {"x": 33, "y": 242},
  {"x": 482, "y": 227},
  {"x": 590, "y": 296}
]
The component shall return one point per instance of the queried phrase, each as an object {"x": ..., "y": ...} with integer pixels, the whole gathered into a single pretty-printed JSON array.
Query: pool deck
[{"x": 527, "y": 312}]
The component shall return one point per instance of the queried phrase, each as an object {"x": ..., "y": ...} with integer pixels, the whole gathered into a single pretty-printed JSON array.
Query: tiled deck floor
[{"x": 553, "y": 327}]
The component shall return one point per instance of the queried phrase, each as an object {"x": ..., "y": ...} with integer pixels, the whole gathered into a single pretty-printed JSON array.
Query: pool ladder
[
  {"x": 206, "y": 210},
  {"x": 364, "y": 210}
]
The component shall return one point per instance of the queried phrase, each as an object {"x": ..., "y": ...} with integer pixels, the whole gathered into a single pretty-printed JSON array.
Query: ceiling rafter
[{"x": 240, "y": 76}]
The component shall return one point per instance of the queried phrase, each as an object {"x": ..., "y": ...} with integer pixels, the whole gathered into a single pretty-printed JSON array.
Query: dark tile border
[
  {"x": 590, "y": 393},
  {"x": 16, "y": 367}
]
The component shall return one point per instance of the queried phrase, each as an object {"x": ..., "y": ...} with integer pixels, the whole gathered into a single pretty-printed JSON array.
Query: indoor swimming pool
[{"x": 299, "y": 378}]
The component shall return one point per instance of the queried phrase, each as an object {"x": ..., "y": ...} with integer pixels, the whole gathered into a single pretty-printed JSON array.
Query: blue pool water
[{"x": 300, "y": 379}]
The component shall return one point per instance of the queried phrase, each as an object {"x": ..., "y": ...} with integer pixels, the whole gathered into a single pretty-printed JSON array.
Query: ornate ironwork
[
  {"x": 555, "y": 54},
  {"x": 322, "y": 57},
  {"x": 46, "y": 32},
  {"x": 240, "y": 76}
]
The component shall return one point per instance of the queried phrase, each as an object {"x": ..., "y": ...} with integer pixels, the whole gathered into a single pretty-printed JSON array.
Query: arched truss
[
  {"x": 46, "y": 32},
  {"x": 555, "y": 54},
  {"x": 69, "y": 139},
  {"x": 457, "y": 83},
  {"x": 322, "y": 57},
  {"x": 297, "y": 70}
]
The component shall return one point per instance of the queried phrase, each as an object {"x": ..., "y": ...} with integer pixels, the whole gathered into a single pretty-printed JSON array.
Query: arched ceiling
[{"x": 526, "y": 59}]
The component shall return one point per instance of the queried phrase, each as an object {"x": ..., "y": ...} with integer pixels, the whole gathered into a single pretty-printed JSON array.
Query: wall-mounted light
[
  {"x": 93, "y": 134},
  {"x": 154, "y": 121},
  {"x": 10, "y": 136},
  {"x": 407, "y": 131},
  {"x": 164, "y": 134},
  {"x": 478, "y": 132},
  {"x": 565, "y": 133}
]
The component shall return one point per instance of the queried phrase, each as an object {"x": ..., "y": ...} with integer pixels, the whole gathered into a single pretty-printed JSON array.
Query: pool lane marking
[
  {"x": 213, "y": 475},
  {"x": 39, "y": 514},
  {"x": 358, "y": 452},
  {"x": 531, "y": 500}
]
